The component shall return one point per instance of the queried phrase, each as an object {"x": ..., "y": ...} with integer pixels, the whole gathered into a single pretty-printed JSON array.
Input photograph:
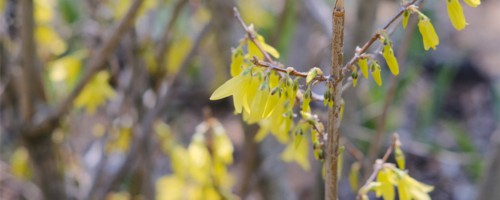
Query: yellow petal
[
  {"x": 268, "y": 48},
  {"x": 228, "y": 88},
  {"x": 363, "y": 65},
  {"x": 271, "y": 105},
  {"x": 406, "y": 16},
  {"x": 299, "y": 154},
  {"x": 236, "y": 62},
  {"x": 253, "y": 50},
  {"x": 354, "y": 176},
  {"x": 429, "y": 36},
  {"x": 456, "y": 14},
  {"x": 473, "y": 3},
  {"x": 386, "y": 189},
  {"x": 400, "y": 158},
  {"x": 376, "y": 73},
  {"x": 388, "y": 54}
]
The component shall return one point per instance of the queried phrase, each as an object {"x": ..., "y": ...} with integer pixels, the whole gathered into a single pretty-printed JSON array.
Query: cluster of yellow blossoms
[
  {"x": 200, "y": 170},
  {"x": 389, "y": 176},
  {"x": 267, "y": 97}
]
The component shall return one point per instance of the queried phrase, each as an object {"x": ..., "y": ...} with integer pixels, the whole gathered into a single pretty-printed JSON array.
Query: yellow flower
[
  {"x": 363, "y": 65},
  {"x": 253, "y": 50},
  {"x": 409, "y": 188},
  {"x": 375, "y": 68},
  {"x": 406, "y": 17},
  {"x": 389, "y": 57},
  {"x": 297, "y": 151},
  {"x": 95, "y": 93},
  {"x": 236, "y": 62},
  {"x": 386, "y": 189},
  {"x": 429, "y": 36},
  {"x": 456, "y": 14},
  {"x": 235, "y": 87},
  {"x": 473, "y": 3}
]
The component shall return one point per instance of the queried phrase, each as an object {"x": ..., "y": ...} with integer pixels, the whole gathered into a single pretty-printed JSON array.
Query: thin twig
[{"x": 289, "y": 70}]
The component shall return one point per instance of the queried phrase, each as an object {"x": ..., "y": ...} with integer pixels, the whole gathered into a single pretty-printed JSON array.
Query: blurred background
[{"x": 156, "y": 66}]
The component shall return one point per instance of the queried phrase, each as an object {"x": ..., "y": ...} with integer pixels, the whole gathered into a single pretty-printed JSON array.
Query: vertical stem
[{"x": 335, "y": 86}]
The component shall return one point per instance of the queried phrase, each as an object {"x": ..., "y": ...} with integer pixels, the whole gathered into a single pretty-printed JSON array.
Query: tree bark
[
  {"x": 335, "y": 87},
  {"x": 47, "y": 166}
]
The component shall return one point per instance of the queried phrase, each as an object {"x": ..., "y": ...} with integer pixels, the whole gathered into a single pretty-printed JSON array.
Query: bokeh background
[{"x": 445, "y": 104}]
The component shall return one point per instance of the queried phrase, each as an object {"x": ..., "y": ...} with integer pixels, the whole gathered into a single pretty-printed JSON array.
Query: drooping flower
[
  {"x": 456, "y": 14},
  {"x": 389, "y": 57},
  {"x": 363, "y": 66},
  {"x": 375, "y": 68},
  {"x": 429, "y": 36},
  {"x": 386, "y": 189},
  {"x": 235, "y": 87},
  {"x": 406, "y": 16}
]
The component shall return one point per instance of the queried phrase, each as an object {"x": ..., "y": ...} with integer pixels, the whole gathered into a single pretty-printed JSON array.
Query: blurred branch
[
  {"x": 144, "y": 132},
  {"x": 31, "y": 77},
  {"x": 164, "y": 43}
]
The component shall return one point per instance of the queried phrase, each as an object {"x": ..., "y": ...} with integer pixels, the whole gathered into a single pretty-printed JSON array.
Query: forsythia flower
[
  {"x": 473, "y": 3},
  {"x": 429, "y": 36},
  {"x": 456, "y": 14},
  {"x": 386, "y": 179},
  {"x": 236, "y": 62},
  {"x": 409, "y": 188},
  {"x": 235, "y": 87},
  {"x": 95, "y": 93},
  {"x": 375, "y": 68},
  {"x": 297, "y": 151},
  {"x": 363, "y": 65},
  {"x": 406, "y": 17},
  {"x": 389, "y": 57}
]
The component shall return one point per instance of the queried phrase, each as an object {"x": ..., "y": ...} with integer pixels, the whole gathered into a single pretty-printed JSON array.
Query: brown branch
[
  {"x": 93, "y": 67},
  {"x": 290, "y": 70},
  {"x": 31, "y": 77},
  {"x": 334, "y": 120}
]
